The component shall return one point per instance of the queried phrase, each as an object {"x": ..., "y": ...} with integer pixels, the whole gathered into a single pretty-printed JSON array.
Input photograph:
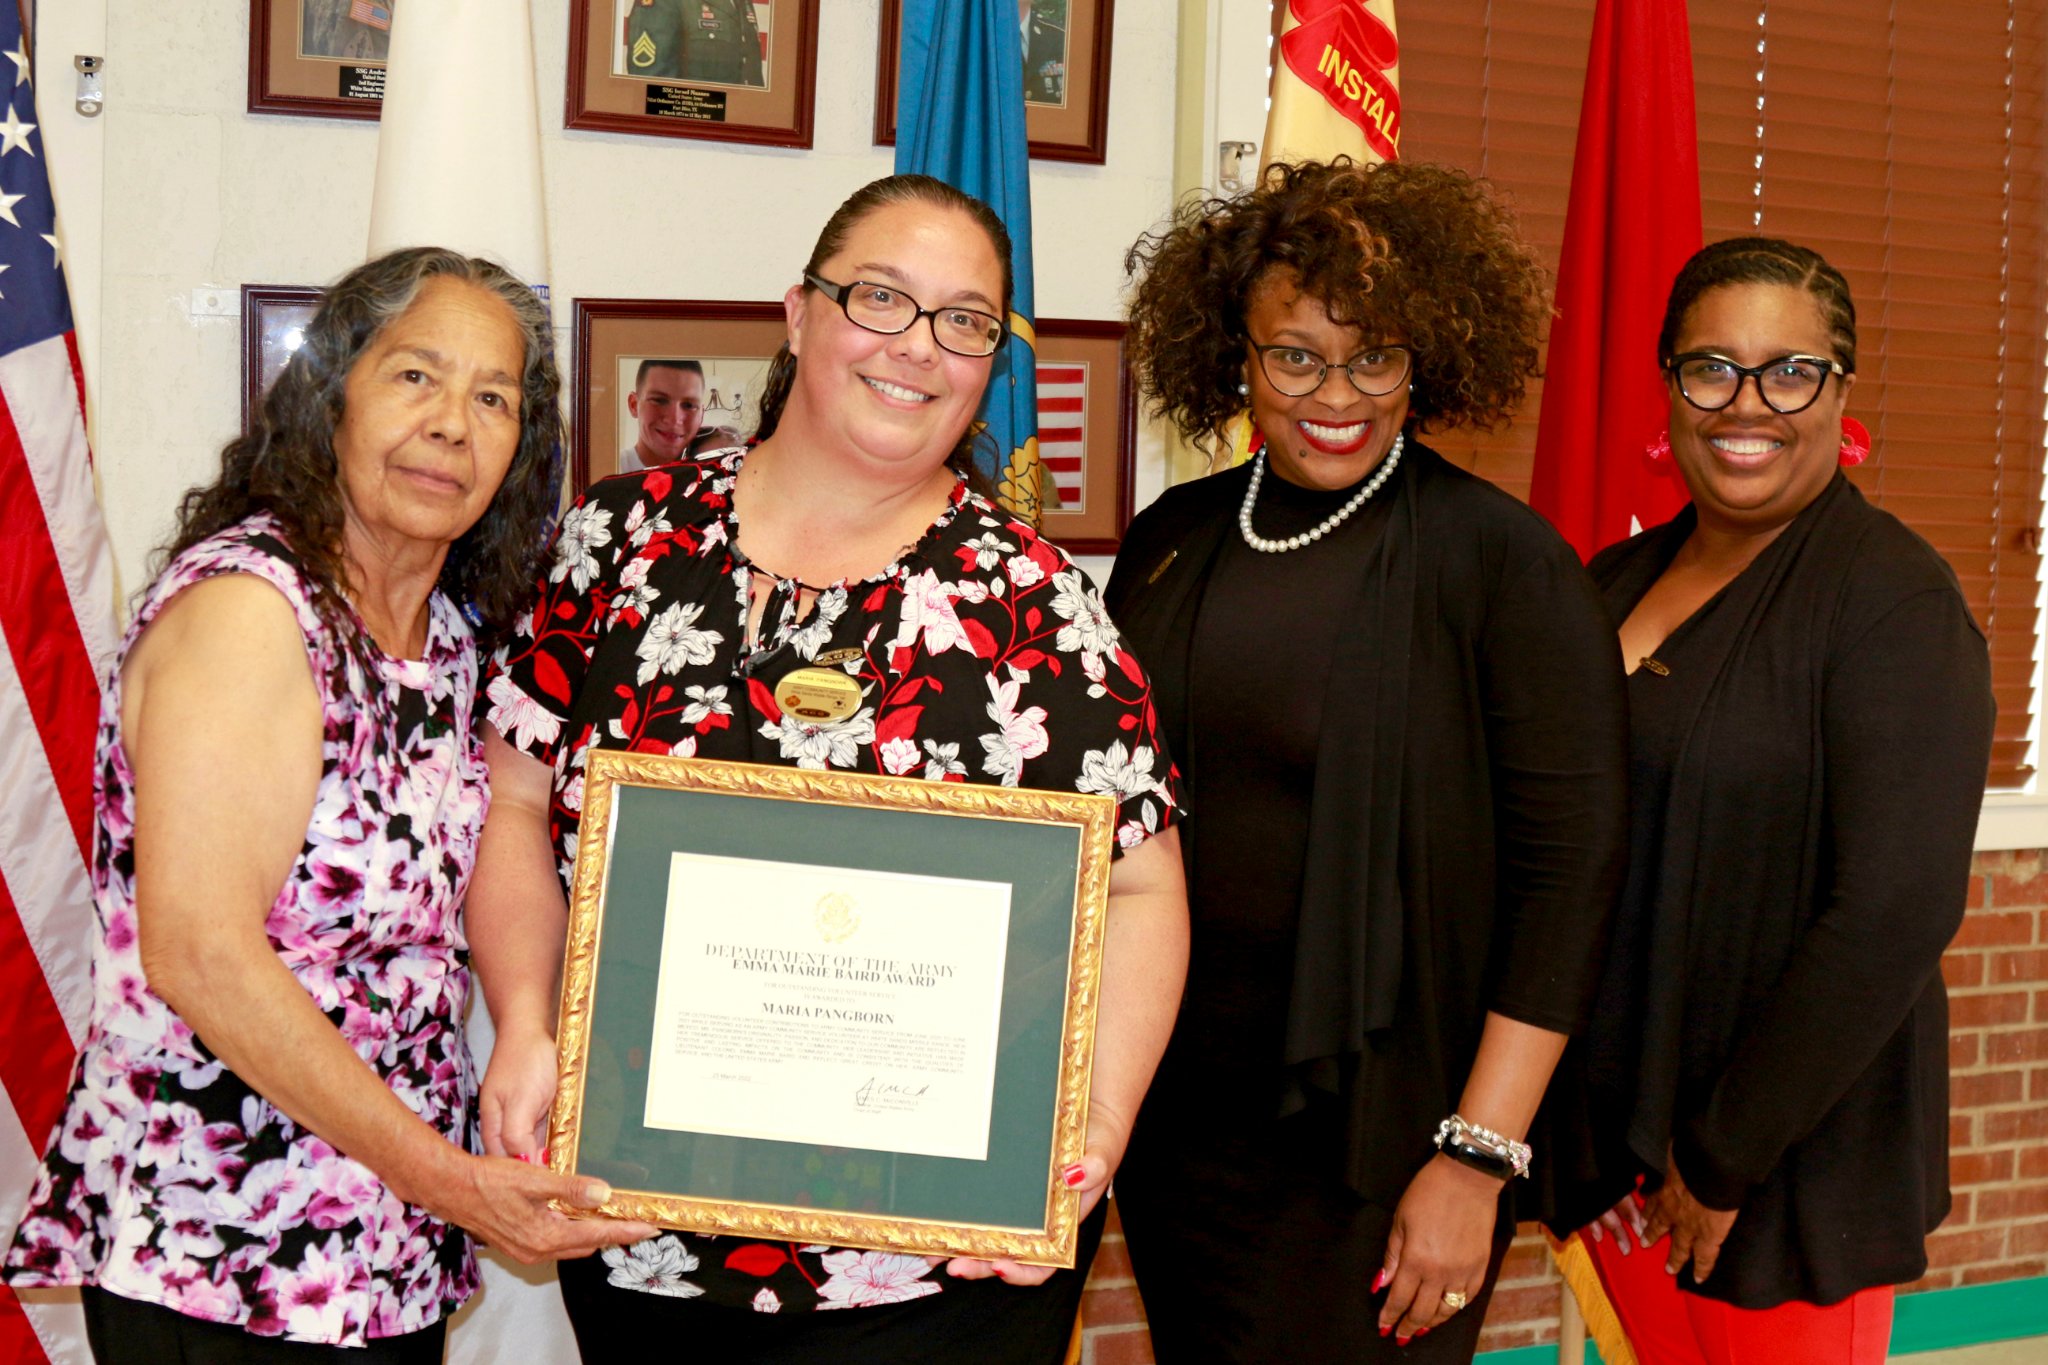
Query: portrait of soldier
[
  {"x": 717, "y": 42},
  {"x": 348, "y": 30},
  {"x": 1041, "y": 24}
]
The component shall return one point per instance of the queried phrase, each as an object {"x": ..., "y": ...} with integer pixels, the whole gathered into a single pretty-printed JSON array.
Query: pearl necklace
[{"x": 1330, "y": 523}]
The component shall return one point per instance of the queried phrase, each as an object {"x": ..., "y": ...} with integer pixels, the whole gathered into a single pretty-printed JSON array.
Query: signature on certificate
[{"x": 874, "y": 1093}]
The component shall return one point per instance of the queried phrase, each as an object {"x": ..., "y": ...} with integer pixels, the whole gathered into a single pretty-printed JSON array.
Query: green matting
[{"x": 1935, "y": 1320}]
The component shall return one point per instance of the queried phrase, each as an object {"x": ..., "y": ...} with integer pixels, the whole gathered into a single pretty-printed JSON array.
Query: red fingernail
[
  {"x": 1422, "y": 1331},
  {"x": 999, "y": 1272},
  {"x": 1385, "y": 1330},
  {"x": 1073, "y": 1175},
  {"x": 1402, "y": 1341},
  {"x": 1380, "y": 1282}
]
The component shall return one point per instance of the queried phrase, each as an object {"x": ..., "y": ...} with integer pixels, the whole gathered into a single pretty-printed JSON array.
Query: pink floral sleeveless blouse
[{"x": 168, "y": 1180}]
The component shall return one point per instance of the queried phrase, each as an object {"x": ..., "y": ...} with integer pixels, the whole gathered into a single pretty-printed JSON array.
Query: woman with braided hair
[{"x": 1810, "y": 715}]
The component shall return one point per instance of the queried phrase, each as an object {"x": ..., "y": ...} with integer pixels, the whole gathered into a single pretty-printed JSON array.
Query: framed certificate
[{"x": 829, "y": 1007}]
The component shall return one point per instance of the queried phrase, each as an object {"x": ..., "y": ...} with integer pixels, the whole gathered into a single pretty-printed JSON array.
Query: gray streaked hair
[{"x": 285, "y": 463}]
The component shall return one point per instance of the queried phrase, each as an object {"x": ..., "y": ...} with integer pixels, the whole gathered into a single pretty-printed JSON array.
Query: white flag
[
  {"x": 458, "y": 156},
  {"x": 458, "y": 166}
]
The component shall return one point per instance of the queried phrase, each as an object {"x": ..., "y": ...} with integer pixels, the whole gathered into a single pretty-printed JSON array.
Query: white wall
[{"x": 199, "y": 195}]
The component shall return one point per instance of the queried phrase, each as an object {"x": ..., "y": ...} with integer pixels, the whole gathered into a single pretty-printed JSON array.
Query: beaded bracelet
[{"x": 1483, "y": 1142}]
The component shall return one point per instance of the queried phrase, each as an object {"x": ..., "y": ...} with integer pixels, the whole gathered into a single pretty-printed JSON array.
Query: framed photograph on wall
[
  {"x": 1087, "y": 434},
  {"x": 657, "y": 379},
  {"x": 1066, "y": 77},
  {"x": 274, "y": 318},
  {"x": 722, "y": 70},
  {"x": 319, "y": 58}
]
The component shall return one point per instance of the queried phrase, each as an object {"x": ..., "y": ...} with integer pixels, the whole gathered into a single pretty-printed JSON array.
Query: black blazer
[{"x": 1467, "y": 834}]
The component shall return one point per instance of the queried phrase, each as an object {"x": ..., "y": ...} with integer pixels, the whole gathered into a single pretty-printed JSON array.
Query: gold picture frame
[{"x": 644, "y": 816}]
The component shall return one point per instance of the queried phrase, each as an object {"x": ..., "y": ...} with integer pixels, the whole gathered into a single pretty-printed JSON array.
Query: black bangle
[{"x": 1478, "y": 1158}]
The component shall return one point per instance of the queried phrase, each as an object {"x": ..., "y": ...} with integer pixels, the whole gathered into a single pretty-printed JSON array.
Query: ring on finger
[{"x": 1454, "y": 1300}]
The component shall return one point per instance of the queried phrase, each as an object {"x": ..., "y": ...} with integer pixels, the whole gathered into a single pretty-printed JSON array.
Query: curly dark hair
[
  {"x": 871, "y": 198},
  {"x": 1406, "y": 250},
  {"x": 1763, "y": 260},
  {"x": 285, "y": 464}
]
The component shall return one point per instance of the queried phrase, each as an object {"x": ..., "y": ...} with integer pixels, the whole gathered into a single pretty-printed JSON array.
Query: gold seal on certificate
[
  {"x": 830, "y": 1007},
  {"x": 837, "y": 917}
]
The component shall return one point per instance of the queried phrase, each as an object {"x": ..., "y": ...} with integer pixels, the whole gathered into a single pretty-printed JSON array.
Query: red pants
[{"x": 1670, "y": 1327}]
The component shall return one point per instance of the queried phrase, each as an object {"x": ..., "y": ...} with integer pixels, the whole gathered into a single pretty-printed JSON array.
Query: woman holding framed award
[
  {"x": 1415, "y": 813},
  {"x": 836, "y": 597},
  {"x": 266, "y": 1151}
]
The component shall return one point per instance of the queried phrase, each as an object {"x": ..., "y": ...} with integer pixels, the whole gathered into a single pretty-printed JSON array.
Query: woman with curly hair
[
  {"x": 1397, "y": 701},
  {"x": 265, "y": 1155}
]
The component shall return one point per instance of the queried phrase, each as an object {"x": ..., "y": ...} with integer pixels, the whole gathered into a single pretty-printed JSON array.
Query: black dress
[{"x": 1262, "y": 1178}]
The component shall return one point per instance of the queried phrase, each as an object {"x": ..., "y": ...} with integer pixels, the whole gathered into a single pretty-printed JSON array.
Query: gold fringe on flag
[
  {"x": 1019, "y": 488},
  {"x": 1603, "y": 1324}
]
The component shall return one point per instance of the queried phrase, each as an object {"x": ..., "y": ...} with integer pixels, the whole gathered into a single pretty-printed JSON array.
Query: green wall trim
[
  {"x": 1531, "y": 1355},
  {"x": 1975, "y": 1313},
  {"x": 1935, "y": 1320}
]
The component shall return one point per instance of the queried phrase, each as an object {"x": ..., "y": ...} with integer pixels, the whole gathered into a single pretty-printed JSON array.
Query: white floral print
[
  {"x": 1019, "y": 735},
  {"x": 656, "y": 1266},
  {"x": 860, "y": 1278},
  {"x": 584, "y": 530},
  {"x": 519, "y": 717},
  {"x": 1089, "y": 629},
  {"x": 674, "y": 641},
  {"x": 1117, "y": 772}
]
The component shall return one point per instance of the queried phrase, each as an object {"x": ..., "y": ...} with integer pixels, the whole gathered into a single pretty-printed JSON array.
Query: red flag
[{"x": 1633, "y": 220}]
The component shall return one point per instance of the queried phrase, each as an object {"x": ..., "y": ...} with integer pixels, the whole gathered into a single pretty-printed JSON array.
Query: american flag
[
  {"x": 1062, "y": 433},
  {"x": 376, "y": 16},
  {"x": 56, "y": 618}
]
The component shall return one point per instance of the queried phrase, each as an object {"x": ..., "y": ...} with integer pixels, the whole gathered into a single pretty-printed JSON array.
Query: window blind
[{"x": 1904, "y": 143}]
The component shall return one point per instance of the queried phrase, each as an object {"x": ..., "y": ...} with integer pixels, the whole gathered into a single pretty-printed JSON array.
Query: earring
[
  {"x": 1657, "y": 453},
  {"x": 1243, "y": 389},
  {"x": 1855, "y": 443}
]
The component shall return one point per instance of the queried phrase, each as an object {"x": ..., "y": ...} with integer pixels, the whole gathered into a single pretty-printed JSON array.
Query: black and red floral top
[{"x": 982, "y": 655}]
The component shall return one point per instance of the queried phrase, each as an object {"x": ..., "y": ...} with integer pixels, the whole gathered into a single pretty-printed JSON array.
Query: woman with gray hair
[{"x": 268, "y": 1138}]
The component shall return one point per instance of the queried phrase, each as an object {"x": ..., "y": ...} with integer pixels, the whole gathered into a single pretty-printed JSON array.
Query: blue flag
[{"x": 960, "y": 119}]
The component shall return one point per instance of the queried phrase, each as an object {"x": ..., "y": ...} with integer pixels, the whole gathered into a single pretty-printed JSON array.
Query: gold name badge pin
[{"x": 818, "y": 696}]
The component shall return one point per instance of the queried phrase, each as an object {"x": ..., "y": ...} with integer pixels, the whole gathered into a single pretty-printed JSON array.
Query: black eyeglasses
[
  {"x": 1298, "y": 372},
  {"x": 1788, "y": 384},
  {"x": 886, "y": 309}
]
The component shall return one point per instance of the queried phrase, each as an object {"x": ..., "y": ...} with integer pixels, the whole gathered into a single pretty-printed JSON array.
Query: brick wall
[{"x": 1997, "y": 972}]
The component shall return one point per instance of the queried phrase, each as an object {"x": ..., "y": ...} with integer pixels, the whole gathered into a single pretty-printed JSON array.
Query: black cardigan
[
  {"x": 1468, "y": 832},
  {"x": 1774, "y": 1011}
]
